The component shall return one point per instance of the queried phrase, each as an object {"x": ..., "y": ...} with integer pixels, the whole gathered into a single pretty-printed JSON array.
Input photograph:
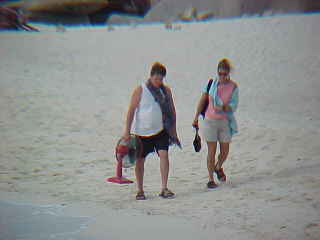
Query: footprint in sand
[
  {"x": 316, "y": 205},
  {"x": 277, "y": 158},
  {"x": 15, "y": 178},
  {"x": 235, "y": 172},
  {"x": 85, "y": 163},
  {"x": 258, "y": 137},
  {"x": 251, "y": 160},
  {"x": 312, "y": 231},
  {"x": 265, "y": 147},
  {"x": 79, "y": 171},
  {"x": 276, "y": 199}
]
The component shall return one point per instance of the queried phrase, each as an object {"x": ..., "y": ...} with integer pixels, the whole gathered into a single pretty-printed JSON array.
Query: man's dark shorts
[{"x": 154, "y": 143}]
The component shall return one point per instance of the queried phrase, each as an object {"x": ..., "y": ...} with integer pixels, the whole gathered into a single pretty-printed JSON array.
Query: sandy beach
[{"x": 63, "y": 101}]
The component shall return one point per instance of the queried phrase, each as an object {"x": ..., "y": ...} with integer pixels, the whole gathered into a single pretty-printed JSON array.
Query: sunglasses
[{"x": 223, "y": 73}]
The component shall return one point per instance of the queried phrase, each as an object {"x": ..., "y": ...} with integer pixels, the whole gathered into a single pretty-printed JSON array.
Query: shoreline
[{"x": 23, "y": 218}]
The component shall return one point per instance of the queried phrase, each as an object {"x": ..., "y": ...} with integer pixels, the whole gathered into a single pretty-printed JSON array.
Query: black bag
[
  {"x": 203, "y": 112},
  {"x": 197, "y": 141}
]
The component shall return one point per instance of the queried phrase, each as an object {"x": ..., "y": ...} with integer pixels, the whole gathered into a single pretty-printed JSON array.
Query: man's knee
[{"x": 163, "y": 155}]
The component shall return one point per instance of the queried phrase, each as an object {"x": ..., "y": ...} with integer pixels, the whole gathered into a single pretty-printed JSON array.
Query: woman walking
[{"x": 220, "y": 125}]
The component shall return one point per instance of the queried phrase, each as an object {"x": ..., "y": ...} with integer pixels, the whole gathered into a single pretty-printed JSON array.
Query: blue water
[{"x": 32, "y": 222}]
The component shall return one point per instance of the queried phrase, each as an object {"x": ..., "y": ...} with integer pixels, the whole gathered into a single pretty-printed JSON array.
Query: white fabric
[{"x": 148, "y": 116}]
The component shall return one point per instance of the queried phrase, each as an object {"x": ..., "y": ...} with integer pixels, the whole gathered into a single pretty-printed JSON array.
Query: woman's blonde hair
[{"x": 225, "y": 64}]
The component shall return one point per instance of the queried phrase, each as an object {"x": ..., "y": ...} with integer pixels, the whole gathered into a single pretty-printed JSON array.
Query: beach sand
[{"x": 63, "y": 101}]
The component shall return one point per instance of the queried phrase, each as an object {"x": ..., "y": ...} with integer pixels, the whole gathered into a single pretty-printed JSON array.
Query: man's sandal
[
  {"x": 166, "y": 193},
  {"x": 140, "y": 196}
]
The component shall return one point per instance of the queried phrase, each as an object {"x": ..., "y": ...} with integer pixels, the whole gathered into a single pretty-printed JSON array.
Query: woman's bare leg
[
  {"x": 212, "y": 148},
  {"x": 224, "y": 151}
]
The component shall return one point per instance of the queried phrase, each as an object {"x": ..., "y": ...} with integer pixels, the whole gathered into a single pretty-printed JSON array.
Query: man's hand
[
  {"x": 177, "y": 141},
  {"x": 126, "y": 137}
]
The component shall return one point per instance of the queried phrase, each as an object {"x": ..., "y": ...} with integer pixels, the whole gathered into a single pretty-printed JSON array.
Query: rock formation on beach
[
  {"x": 126, "y": 12},
  {"x": 79, "y": 11}
]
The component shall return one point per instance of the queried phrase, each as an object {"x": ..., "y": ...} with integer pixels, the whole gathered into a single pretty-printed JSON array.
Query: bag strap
[{"x": 209, "y": 85}]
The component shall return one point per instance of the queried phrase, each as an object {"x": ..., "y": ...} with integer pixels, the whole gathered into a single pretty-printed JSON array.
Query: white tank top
[{"x": 148, "y": 116}]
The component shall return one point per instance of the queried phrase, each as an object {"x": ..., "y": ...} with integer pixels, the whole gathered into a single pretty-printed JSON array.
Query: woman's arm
[
  {"x": 134, "y": 103},
  {"x": 199, "y": 109}
]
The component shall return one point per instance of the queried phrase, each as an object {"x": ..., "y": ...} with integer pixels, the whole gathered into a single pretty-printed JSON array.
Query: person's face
[
  {"x": 156, "y": 80},
  {"x": 223, "y": 74}
]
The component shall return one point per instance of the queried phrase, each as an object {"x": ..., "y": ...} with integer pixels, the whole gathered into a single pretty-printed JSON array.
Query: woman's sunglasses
[{"x": 223, "y": 73}]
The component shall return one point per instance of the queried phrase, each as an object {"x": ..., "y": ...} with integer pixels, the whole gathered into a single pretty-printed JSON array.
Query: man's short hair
[{"x": 158, "y": 69}]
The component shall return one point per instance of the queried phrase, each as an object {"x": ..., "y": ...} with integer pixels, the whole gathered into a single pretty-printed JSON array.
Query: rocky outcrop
[
  {"x": 100, "y": 11},
  {"x": 11, "y": 19},
  {"x": 180, "y": 10},
  {"x": 68, "y": 11}
]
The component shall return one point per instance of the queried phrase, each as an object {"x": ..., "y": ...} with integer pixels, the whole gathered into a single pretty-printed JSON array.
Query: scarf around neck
[{"x": 162, "y": 97}]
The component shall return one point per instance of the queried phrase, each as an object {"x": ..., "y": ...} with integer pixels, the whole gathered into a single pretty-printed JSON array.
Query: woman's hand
[
  {"x": 218, "y": 108},
  {"x": 226, "y": 108},
  {"x": 195, "y": 123}
]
